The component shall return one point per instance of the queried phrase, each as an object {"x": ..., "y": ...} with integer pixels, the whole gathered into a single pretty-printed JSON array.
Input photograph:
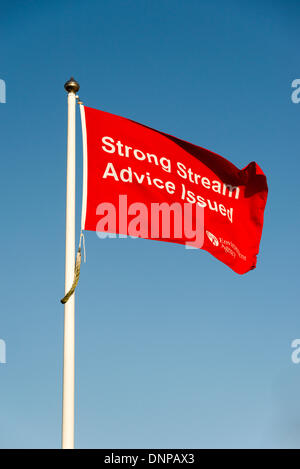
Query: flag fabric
[{"x": 142, "y": 182}]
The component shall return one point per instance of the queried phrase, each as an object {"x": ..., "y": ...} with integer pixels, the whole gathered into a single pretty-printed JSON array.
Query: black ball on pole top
[{"x": 71, "y": 86}]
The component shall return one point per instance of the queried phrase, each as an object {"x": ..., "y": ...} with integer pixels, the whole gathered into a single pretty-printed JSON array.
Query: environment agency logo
[{"x": 212, "y": 238}]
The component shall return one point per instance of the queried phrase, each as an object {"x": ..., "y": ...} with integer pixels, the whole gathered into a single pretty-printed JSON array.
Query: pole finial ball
[{"x": 72, "y": 86}]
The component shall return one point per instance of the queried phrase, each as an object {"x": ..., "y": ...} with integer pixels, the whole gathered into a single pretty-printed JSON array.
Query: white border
[{"x": 84, "y": 182}]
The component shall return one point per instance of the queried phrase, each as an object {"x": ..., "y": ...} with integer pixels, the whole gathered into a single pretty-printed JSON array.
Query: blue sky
[{"x": 173, "y": 349}]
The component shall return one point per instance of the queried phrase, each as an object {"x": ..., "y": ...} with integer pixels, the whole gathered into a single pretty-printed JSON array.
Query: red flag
[{"x": 143, "y": 182}]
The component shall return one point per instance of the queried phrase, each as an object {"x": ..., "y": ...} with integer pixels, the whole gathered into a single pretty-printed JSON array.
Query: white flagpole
[{"x": 69, "y": 323}]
